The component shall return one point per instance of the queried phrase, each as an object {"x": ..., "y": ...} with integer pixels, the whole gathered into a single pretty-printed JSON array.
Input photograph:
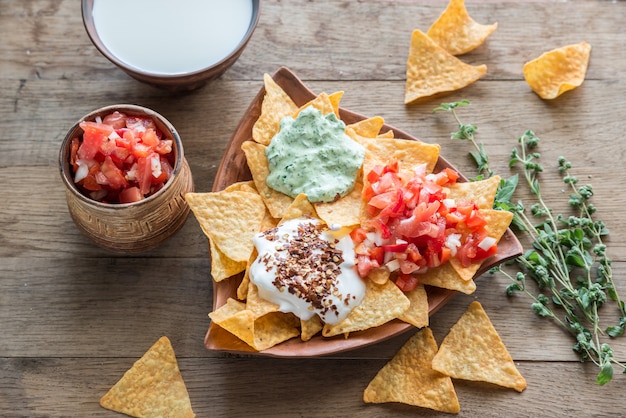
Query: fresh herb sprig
[{"x": 568, "y": 260}]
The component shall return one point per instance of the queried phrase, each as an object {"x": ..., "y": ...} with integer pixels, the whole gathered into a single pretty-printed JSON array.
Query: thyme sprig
[{"x": 568, "y": 260}]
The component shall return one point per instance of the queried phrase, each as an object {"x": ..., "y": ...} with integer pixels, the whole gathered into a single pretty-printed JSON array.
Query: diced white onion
[
  {"x": 155, "y": 166},
  {"x": 393, "y": 265},
  {"x": 98, "y": 119},
  {"x": 453, "y": 242},
  {"x": 81, "y": 173},
  {"x": 449, "y": 203},
  {"x": 486, "y": 243}
]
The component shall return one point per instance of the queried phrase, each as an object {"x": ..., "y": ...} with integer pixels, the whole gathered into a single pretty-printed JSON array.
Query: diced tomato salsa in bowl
[
  {"x": 125, "y": 177},
  {"x": 121, "y": 158}
]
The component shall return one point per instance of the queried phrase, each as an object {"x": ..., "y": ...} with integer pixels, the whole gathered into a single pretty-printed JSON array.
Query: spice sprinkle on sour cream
[{"x": 306, "y": 269}]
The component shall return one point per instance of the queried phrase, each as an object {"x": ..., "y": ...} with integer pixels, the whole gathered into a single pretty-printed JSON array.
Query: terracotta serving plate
[{"x": 233, "y": 168}]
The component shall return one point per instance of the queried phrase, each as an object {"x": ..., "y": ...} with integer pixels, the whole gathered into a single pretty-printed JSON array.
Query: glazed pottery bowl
[
  {"x": 180, "y": 80},
  {"x": 129, "y": 227}
]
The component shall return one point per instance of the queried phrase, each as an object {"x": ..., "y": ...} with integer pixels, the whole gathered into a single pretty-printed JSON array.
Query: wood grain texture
[{"x": 74, "y": 317}]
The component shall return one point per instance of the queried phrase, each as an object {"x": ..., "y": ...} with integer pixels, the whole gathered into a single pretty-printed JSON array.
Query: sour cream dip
[
  {"x": 305, "y": 269},
  {"x": 171, "y": 37}
]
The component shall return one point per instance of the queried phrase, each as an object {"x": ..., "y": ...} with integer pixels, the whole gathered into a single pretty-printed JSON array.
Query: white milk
[{"x": 172, "y": 36}]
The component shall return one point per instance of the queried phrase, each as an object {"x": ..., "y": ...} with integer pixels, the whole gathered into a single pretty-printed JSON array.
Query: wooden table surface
[{"x": 74, "y": 318}]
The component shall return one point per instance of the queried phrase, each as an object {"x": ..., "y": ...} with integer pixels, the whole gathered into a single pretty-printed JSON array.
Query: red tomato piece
[
  {"x": 130, "y": 195},
  {"x": 406, "y": 282}
]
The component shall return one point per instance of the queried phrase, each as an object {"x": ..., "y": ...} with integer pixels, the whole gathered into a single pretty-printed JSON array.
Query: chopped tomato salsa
[
  {"x": 121, "y": 158},
  {"x": 414, "y": 226}
]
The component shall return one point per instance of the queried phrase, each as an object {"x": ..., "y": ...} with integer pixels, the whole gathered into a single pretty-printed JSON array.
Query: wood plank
[
  {"x": 80, "y": 313},
  {"x": 73, "y": 386},
  {"x": 362, "y": 40}
]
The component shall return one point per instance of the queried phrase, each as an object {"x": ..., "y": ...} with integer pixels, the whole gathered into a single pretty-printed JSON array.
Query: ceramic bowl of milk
[{"x": 178, "y": 45}]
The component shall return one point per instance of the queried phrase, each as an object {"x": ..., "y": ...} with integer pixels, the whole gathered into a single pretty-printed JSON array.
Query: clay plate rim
[{"x": 233, "y": 168}]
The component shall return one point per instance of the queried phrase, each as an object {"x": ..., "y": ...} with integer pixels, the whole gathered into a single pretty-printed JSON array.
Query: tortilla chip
[
  {"x": 497, "y": 223},
  {"x": 229, "y": 219},
  {"x": 379, "y": 276},
  {"x": 276, "y": 105},
  {"x": 417, "y": 314},
  {"x": 310, "y": 327},
  {"x": 456, "y": 32},
  {"x": 223, "y": 267},
  {"x": 381, "y": 304},
  {"x": 482, "y": 192},
  {"x": 335, "y": 99},
  {"x": 345, "y": 211},
  {"x": 368, "y": 128},
  {"x": 300, "y": 207},
  {"x": 559, "y": 70},
  {"x": 408, "y": 153},
  {"x": 275, "y": 201},
  {"x": 446, "y": 277},
  {"x": 258, "y": 305},
  {"x": 473, "y": 350},
  {"x": 431, "y": 70},
  {"x": 152, "y": 387},
  {"x": 259, "y": 333},
  {"x": 323, "y": 103},
  {"x": 409, "y": 378},
  {"x": 246, "y": 186}
]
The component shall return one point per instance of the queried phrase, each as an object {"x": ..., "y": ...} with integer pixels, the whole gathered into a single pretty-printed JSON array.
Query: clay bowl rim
[
  {"x": 131, "y": 109},
  {"x": 163, "y": 78}
]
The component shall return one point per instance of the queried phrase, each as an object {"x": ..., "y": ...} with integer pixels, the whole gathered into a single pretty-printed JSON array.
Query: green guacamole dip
[{"x": 313, "y": 155}]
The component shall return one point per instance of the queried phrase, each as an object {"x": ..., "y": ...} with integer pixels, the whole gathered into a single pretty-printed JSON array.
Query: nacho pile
[{"x": 230, "y": 218}]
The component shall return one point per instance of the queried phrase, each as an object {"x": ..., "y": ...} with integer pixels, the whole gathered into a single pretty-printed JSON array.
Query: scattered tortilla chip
[
  {"x": 558, "y": 71},
  {"x": 446, "y": 277},
  {"x": 482, "y": 192},
  {"x": 381, "y": 304},
  {"x": 345, "y": 211},
  {"x": 276, "y": 105},
  {"x": 229, "y": 219},
  {"x": 223, "y": 267},
  {"x": 497, "y": 223},
  {"x": 473, "y": 350},
  {"x": 275, "y": 201},
  {"x": 246, "y": 186},
  {"x": 152, "y": 387},
  {"x": 455, "y": 30},
  {"x": 409, "y": 378},
  {"x": 431, "y": 70},
  {"x": 417, "y": 314}
]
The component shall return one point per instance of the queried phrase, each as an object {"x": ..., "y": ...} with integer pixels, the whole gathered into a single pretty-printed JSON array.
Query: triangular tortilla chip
[
  {"x": 381, "y": 304},
  {"x": 417, "y": 314},
  {"x": 430, "y": 70},
  {"x": 230, "y": 219},
  {"x": 276, "y": 105},
  {"x": 223, "y": 267},
  {"x": 345, "y": 211},
  {"x": 473, "y": 350},
  {"x": 369, "y": 128},
  {"x": 456, "y": 32},
  {"x": 275, "y": 201},
  {"x": 152, "y": 387},
  {"x": 558, "y": 71},
  {"x": 409, "y": 378},
  {"x": 446, "y": 277},
  {"x": 481, "y": 192}
]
